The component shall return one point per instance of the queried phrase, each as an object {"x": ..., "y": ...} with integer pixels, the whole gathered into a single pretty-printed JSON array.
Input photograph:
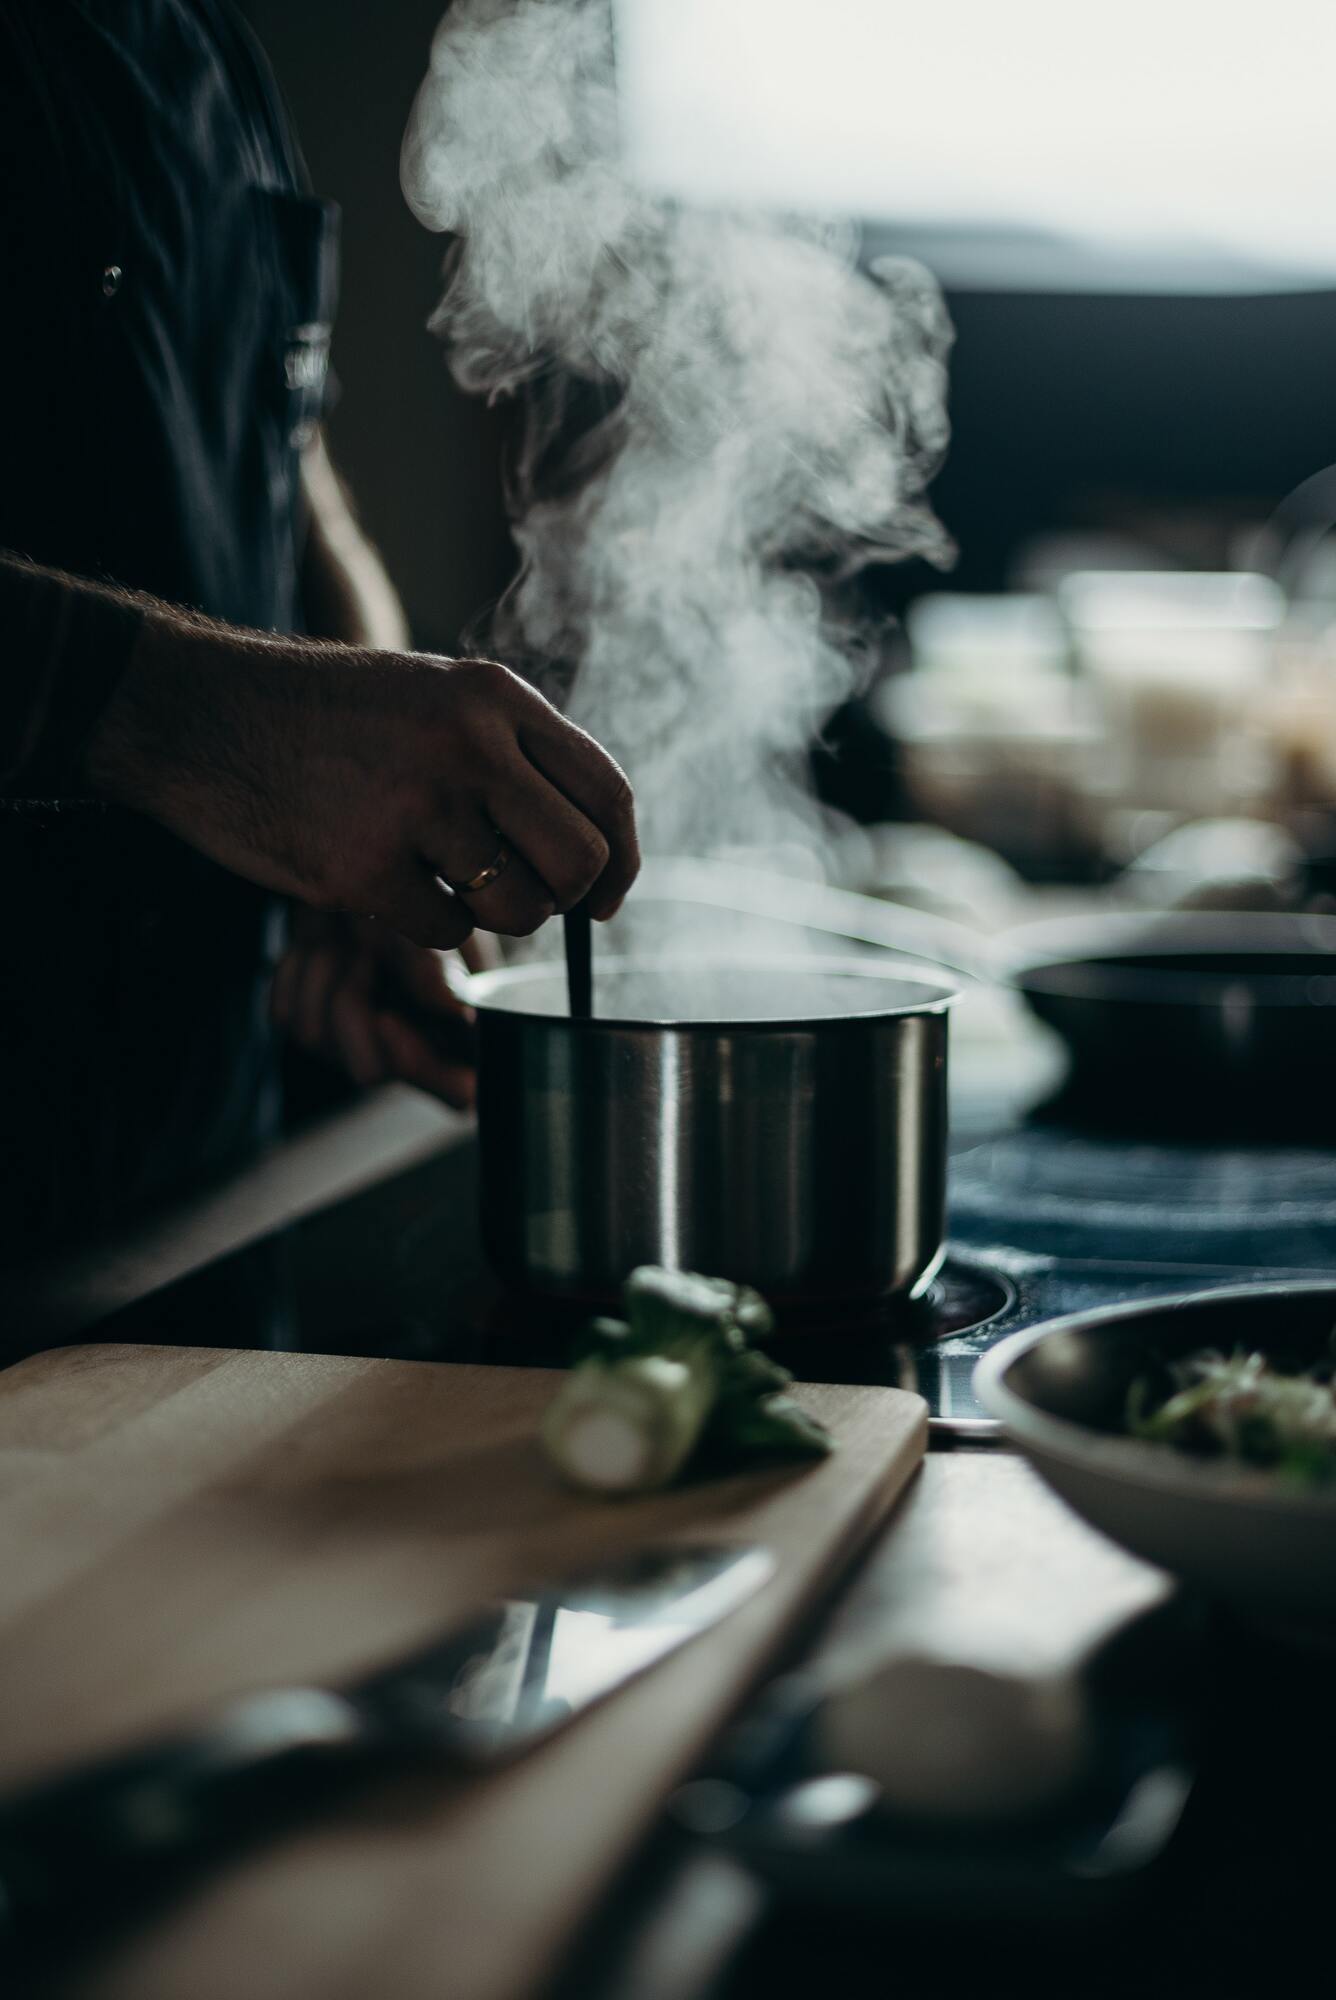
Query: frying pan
[
  {"x": 1241, "y": 1535},
  {"x": 1207, "y": 1023}
]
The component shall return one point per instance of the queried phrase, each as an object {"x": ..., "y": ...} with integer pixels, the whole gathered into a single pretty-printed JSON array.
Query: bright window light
[{"x": 1169, "y": 122}]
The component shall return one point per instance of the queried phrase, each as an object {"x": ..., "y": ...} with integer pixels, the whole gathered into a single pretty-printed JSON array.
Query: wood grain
[{"x": 180, "y": 1524}]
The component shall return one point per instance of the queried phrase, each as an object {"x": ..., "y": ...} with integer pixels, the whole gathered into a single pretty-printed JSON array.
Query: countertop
[{"x": 978, "y": 1551}]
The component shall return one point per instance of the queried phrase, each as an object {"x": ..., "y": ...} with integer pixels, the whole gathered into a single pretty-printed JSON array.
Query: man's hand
[
  {"x": 368, "y": 782},
  {"x": 380, "y": 1008}
]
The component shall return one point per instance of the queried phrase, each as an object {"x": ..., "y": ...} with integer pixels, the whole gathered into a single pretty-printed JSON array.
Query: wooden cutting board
[{"x": 177, "y": 1524}]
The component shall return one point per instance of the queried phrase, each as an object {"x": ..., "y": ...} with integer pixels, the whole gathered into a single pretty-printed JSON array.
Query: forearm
[
  {"x": 346, "y": 591},
  {"x": 65, "y": 646},
  {"x": 359, "y": 779},
  {"x": 202, "y": 729}
]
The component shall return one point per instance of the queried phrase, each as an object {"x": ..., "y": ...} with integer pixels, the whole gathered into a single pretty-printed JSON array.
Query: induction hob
[{"x": 1043, "y": 1221}]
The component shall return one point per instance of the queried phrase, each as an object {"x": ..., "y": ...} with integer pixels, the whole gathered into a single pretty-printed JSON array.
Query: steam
[{"x": 723, "y": 419}]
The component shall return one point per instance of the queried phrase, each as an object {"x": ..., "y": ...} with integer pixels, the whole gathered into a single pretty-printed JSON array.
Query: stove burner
[
  {"x": 883, "y": 1344},
  {"x": 960, "y": 1298}
]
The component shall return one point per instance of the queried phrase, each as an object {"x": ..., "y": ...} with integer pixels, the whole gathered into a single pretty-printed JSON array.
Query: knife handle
[{"x": 99, "y": 1832}]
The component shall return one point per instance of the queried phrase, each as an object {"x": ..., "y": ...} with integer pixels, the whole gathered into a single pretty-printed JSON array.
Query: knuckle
[
  {"x": 592, "y": 848},
  {"x": 617, "y": 800},
  {"x": 520, "y": 916},
  {"x": 584, "y": 858},
  {"x": 485, "y": 682},
  {"x": 621, "y": 799}
]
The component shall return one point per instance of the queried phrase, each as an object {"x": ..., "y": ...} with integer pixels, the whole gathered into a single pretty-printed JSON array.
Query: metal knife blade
[
  {"x": 529, "y": 1664},
  {"x": 111, "y": 1833}
]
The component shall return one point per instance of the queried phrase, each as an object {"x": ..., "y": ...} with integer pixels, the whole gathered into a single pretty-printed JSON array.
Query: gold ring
[{"x": 485, "y": 876}]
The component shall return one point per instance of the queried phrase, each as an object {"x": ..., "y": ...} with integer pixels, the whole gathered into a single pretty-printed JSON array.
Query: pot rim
[{"x": 938, "y": 998}]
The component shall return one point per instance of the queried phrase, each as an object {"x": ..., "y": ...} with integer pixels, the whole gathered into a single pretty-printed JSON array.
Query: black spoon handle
[{"x": 579, "y": 962}]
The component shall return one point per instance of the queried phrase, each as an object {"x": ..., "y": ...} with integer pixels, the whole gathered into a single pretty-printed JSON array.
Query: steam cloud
[{"x": 721, "y": 417}]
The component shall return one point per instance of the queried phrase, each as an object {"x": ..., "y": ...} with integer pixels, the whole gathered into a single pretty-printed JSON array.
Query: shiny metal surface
[
  {"x": 96, "y": 1840},
  {"x": 528, "y": 1664},
  {"x": 804, "y": 1154}
]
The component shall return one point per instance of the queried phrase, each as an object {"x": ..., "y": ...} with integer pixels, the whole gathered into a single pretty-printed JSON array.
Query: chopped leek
[{"x": 673, "y": 1382}]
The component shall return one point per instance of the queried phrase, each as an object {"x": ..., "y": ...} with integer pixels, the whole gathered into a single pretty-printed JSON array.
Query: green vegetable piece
[
  {"x": 775, "y": 1427},
  {"x": 752, "y": 1313},
  {"x": 606, "y": 1338},
  {"x": 676, "y": 1376},
  {"x": 660, "y": 1302},
  {"x": 626, "y": 1426},
  {"x": 750, "y": 1375},
  {"x": 668, "y": 1308},
  {"x": 1243, "y": 1407}
]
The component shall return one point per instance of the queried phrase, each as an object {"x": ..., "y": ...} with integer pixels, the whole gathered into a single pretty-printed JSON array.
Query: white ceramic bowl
[{"x": 1242, "y": 1535}]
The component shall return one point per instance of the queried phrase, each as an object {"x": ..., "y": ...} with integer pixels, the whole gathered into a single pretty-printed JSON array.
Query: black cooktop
[
  {"x": 1042, "y": 1221},
  {"x": 1068, "y": 1221}
]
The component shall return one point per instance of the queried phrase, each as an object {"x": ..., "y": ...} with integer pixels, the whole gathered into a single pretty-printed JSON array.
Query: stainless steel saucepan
[{"x": 780, "y": 1124}]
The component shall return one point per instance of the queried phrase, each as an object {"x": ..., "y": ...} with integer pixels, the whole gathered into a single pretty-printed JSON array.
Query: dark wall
[
  {"x": 1067, "y": 410},
  {"x": 1095, "y": 411},
  {"x": 422, "y": 459}
]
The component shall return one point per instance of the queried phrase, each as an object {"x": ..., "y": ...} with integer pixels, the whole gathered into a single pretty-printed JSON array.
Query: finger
[
  {"x": 563, "y": 847},
  {"x": 464, "y": 843},
  {"x": 479, "y": 952},
  {"x": 314, "y": 990},
  {"x": 583, "y": 770},
  {"x": 308, "y": 928},
  {"x": 425, "y": 979},
  {"x": 412, "y": 1059},
  {"x": 420, "y": 907},
  {"x": 352, "y": 1026}
]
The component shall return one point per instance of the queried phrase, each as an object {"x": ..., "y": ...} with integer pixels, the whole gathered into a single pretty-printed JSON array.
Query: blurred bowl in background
[{"x": 1196, "y": 1024}]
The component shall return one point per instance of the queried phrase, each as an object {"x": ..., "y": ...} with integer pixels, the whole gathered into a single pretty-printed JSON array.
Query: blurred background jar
[
  {"x": 1178, "y": 667},
  {"x": 998, "y": 742}
]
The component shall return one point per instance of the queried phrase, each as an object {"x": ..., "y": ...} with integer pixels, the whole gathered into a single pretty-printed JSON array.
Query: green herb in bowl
[
  {"x": 675, "y": 1383},
  {"x": 1241, "y": 1406}
]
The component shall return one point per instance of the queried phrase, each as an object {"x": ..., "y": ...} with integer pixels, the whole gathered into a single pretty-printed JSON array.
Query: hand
[
  {"x": 355, "y": 992},
  {"x": 368, "y": 782}
]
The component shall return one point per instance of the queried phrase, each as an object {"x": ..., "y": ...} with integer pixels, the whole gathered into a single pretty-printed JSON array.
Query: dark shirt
[
  {"x": 61, "y": 656},
  {"x": 167, "y": 296}
]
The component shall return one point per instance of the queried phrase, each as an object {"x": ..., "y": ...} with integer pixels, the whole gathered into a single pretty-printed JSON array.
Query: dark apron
[{"x": 167, "y": 300}]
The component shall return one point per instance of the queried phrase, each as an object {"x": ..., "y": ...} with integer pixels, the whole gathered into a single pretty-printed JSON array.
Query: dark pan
[{"x": 1203, "y": 1024}]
